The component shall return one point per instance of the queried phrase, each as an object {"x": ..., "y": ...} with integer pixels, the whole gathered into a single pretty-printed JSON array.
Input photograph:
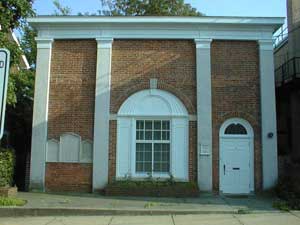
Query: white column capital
[
  {"x": 44, "y": 43},
  {"x": 104, "y": 42},
  {"x": 266, "y": 44},
  {"x": 203, "y": 43}
]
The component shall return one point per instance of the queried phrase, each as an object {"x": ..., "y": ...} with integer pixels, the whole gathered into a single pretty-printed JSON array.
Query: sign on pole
[{"x": 4, "y": 71}]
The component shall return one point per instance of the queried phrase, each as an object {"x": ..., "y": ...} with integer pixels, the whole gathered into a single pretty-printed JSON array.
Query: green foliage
[
  {"x": 152, "y": 184},
  {"x": 14, "y": 12},
  {"x": 28, "y": 44},
  {"x": 7, "y": 162},
  {"x": 60, "y": 9},
  {"x": 281, "y": 205},
  {"x": 288, "y": 190},
  {"x": 12, "y": 202},
  {"x": 15, "y": 51},
  {"x": 148, "y": 8},
  {"x": 21, "y": 89},
  {"x": 154, "y": 188},
  {"x": 12, "y": 16}
]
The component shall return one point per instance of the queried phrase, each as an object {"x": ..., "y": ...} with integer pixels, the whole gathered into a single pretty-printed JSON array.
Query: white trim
[
  {"x": 203, "y": 43},
  {"x": 243, "y": 122},
  {"x": 104, "y": 42},
  {"x": 178, "y": 117},
  {"x": 229, "y": 28},
  {"x": 266, "y": 45},
  {"x": 44, "y": 43},
  {"x": 249, "y": 136},
  {"x": 192, "y": 117},
  {"x": 170, "y": 104},
  {"x": 156, "y": 20}
]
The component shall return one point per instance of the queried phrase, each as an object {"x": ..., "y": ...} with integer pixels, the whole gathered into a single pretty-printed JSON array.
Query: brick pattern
[
  {"x": 112, "y": 150},
  {"x": 68, "y": 177},
  {"x": 135, "y": 62},
  {"x": 72, "y": 88},
  {"x": 193, "y": 151},
  {"x": 236, "y": 93}
]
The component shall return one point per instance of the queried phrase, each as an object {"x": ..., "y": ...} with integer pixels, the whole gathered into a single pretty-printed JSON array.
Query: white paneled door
[{"x": 235, "y": 165}]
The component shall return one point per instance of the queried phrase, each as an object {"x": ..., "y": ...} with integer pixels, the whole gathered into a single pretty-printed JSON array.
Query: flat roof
[{"x": 275, "y": 22}]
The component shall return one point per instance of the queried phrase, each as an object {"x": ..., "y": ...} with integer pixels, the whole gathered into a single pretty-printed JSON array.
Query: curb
[{"x": 18, "y": 212}]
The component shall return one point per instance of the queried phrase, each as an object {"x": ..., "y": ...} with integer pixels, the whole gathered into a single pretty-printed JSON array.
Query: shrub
[
  {"x": 7, "y": 162},
  {"x": 152, "y": 188},
  {"x": 287, "y": 190},
  {"x": 12, "y": 202}
]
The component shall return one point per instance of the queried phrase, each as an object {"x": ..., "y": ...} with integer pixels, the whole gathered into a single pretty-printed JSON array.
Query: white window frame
[
  {"x": 152, "y": 142},
  {"x": 144, "y": 175}
]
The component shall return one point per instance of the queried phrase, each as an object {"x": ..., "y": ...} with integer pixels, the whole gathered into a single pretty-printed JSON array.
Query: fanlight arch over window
[
  {"x": 152, "y": 103},
  {"x": 236, "y": 126},
  {"x": 152, "y": 136}
]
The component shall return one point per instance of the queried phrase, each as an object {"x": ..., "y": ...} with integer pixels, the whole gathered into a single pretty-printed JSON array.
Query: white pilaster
[
  {"x": 268, "y": 114},
  {"x": 204, "y": 113},
  {"x": 102, "y": 108},
  {"x": 40, "y": 114}
]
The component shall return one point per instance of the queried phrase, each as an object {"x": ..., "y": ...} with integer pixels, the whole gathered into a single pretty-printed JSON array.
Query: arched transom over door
[
  {"x": 236, "y": 157},
  {"x": 152, "y": 136}
]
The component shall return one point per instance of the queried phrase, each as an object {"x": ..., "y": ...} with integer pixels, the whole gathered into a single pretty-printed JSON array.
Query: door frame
[{"x": 249, "y": 136}]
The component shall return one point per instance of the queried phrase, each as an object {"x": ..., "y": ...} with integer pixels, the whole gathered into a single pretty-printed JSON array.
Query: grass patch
[
  {"x": 243, "y": 211},
  {"x": 281, "y": 205},
  {"x": 7, "y": 201}
]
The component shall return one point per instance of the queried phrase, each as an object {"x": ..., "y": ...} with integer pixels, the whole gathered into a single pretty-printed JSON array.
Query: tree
[
  {"x": 13, "y": 14},
  {"x": 148, "y": 8},
  {"x": 60, "y": 9}
]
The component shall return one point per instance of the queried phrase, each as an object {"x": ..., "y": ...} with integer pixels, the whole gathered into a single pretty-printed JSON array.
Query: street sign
[{"x": 4, "y": 71}]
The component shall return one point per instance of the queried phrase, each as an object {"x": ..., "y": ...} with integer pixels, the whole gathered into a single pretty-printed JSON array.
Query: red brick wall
[
  {"x": 72, "y": 88},
  {"x": 235, "y": 93},
  {"x": 71, "y": 108},
  {"x": 135, "y": 62},
  {"x": 68, "y": 177}
]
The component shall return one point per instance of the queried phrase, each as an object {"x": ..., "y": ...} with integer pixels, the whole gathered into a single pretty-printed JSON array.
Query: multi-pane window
[{"x": 152, "y": 146}]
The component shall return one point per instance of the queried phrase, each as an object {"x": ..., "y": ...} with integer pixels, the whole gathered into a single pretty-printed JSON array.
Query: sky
[{"x": 264, "y": 8}]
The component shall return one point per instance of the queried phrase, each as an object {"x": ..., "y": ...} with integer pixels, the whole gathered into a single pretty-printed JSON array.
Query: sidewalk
[{"x": 40, "y": 204}]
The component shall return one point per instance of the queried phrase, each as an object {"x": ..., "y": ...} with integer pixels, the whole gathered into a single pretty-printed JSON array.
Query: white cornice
[
  {"x": 233, "y": 28},
  {"x": 156, "y": 20}
]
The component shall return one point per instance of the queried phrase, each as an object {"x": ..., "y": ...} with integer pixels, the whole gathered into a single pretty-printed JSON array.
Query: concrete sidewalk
[
  {"x": 256, "y": 219},
  {"x": 41, "y": 204}
]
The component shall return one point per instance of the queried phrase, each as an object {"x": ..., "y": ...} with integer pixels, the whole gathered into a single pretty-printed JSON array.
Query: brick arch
[
  {"x": 257, "y": 146},
  {"x": 162, "y": 86}
]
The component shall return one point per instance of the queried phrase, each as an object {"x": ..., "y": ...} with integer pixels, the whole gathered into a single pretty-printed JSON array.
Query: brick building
[{"x": 133, "y": 97}]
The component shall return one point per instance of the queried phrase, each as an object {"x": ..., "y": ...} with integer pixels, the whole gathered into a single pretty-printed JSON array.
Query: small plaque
[{"x": 204, "y": 150}]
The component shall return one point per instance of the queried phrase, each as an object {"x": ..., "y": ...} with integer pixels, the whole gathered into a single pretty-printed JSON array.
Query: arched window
[
  {"x": 236, "y": 129},
  {"x": 152, "y": 136}
]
